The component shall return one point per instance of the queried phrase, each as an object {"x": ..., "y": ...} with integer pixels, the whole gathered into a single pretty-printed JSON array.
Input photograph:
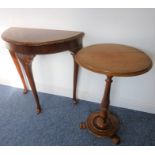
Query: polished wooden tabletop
[
  {"x": 37, "y": 37},
  {"x": 41, "y": 41},
  {"x": 114, "y": 60}
]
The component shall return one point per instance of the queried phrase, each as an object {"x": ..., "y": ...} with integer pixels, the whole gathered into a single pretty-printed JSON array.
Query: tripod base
[{"x": 102, "y": 127}]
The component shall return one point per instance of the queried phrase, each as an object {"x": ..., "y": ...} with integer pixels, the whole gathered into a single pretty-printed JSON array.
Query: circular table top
[{"x": 114, "y": 60}]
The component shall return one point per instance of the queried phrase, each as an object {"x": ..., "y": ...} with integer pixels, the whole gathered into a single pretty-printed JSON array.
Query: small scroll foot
[
  {"x": 25, "y": 91},
  {"x": 83, "y": 125},
  {"x": 75, "y": 101},
  {"x": 38, "y": 110},
  {"x": 115, "y": 139}
]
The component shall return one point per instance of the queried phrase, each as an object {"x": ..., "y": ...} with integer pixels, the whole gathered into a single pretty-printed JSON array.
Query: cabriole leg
[
  {"x": 26, "y": 61},
  {"x": 18, "y": 67}
]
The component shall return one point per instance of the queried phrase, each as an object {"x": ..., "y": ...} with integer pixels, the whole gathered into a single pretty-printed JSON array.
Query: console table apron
[
  {"x": 111, "y": 60},
  {"x": 25, "y": 43}
]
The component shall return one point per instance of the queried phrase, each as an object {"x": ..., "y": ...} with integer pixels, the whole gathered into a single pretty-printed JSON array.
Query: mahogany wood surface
[
  {"x": 25, "y": 43},
  {"x": 111, "y": 60},
  {"x": 114, "y": 60},
  {"x": 37, "y": 37}
]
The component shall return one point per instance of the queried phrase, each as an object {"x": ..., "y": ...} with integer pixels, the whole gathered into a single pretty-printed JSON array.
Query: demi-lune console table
[{"x": 25, "y": 43}]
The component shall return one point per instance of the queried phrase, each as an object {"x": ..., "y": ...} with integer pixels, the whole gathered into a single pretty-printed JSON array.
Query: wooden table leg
[
  {"x": 75, "y": 78},
  {"x": 26, "y": 61},
  {"x": 103, "y": 123},
  {"x": 16, "y": 62},
  {"x": 76, "y": 71}
]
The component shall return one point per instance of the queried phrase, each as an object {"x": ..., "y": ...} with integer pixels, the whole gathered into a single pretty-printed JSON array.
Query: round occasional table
[{"x": 111, "y": 60}]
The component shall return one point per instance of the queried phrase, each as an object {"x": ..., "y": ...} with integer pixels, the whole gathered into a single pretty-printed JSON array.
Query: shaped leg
[
  {"x": 26, "y": 61},
  {"x": 75, "y": 77},
  {"x": 115, "y": 139},
  {"x": 16, "y": 62},
  {"x": 83, "y": 125}
]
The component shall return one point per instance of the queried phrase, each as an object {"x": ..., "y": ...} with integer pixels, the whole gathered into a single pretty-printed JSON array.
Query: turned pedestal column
[{"x": 111, "y": 60}]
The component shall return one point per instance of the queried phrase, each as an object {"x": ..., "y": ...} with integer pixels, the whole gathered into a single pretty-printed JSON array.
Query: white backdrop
[{"x": 53, "y": 73}]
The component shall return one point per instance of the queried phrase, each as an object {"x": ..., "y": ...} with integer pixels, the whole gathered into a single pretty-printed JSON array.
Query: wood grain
[{"x": 114, "y": 60}]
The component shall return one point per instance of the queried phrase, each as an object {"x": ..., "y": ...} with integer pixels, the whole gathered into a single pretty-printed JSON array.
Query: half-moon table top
[
  {"x": 32, "y": 41},
  {"x": 114, "y": 60},
  {"x": 37, "y": 37}
]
